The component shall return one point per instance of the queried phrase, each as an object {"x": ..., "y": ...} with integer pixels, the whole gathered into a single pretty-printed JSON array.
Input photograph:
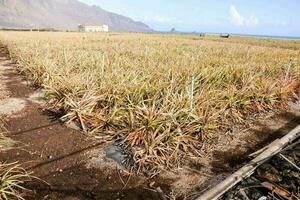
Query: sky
[{"x": 259, "y": 17}]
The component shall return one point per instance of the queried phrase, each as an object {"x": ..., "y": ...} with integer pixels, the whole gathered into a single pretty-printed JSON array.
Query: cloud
[
  {"x": 162, "y": 19},
  {"x": 237, "y": 19}
]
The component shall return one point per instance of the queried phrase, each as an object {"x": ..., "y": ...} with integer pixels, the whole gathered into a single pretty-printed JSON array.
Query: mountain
[{"x": 62, "y": 14}]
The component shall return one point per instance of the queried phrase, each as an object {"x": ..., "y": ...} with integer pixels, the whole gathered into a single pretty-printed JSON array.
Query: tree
[{"x": 173, "y": 30}]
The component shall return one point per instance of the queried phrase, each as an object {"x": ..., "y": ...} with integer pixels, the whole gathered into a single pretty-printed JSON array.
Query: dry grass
[
  {"x": 5, "y": 142},
  {"x": 277, "y": 43},
  {"x": 165, "y": 95},
  {"x": 12, "y": 176}
]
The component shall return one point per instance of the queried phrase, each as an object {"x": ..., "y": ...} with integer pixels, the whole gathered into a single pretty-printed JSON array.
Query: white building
[{"x": 93, "y": 28}]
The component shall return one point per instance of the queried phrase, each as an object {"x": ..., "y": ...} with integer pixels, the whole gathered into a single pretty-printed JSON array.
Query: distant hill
[{"x": 62, "y": 14}]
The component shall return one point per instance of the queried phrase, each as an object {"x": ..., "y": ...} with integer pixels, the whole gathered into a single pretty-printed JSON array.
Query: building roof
[{"x": 91, "y": 24}]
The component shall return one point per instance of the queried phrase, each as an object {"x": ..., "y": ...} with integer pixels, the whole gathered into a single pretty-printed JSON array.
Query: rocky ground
[{"x": 275, "y": 180}]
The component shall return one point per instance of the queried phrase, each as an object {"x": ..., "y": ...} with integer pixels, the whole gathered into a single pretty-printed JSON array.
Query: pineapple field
[{"x": 164, "y": 96}]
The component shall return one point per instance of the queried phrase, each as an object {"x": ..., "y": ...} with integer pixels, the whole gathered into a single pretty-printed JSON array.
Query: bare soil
[{"x": 75, "y": 165}]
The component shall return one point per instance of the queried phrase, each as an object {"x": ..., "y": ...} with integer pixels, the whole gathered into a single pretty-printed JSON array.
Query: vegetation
[
  {"x": 5, "y": 143},
  {"x": 163, "y": 94},
  {"x": 12, "y": 176},
  {"x": 285, "y": 44}
]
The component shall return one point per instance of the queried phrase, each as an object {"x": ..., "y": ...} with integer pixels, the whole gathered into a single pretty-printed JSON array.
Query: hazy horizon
[{"x": 258, "y": 17}]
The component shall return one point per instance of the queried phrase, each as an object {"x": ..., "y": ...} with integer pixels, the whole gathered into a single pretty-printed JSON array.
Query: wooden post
[{"x": 271, "y": 150}]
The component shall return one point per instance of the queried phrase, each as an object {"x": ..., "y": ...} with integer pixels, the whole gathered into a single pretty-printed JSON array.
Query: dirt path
[{"x": 74, "y": 165}]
